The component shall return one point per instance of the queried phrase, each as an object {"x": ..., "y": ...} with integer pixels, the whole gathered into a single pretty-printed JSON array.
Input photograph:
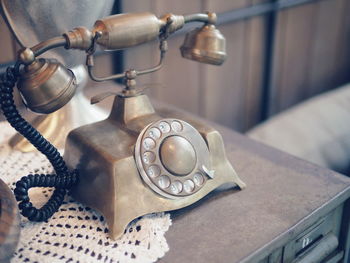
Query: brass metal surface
[
  {"x": 178, "y": 155},
  {"x": 126, "y": 30},
  {"x": 27, "y": 56},
  {"x": 46, "y": 85},
  {"x": 118, "y": 159},
  {"x": 56, "y": 126},
  {"x": 186, "y": 176},
  {"x": 9, "y": 223},
  {"x": 104, "y": 154},
  {"x": 205, "y": 45},
  {"x": 78, "y": 38}
]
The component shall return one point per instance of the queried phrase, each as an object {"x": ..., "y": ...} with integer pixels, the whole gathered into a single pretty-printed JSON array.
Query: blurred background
[{"x": 280, "y": 53}]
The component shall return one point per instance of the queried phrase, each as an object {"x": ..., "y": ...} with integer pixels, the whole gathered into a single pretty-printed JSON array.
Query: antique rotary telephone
[{"x": 137, "y": 161}]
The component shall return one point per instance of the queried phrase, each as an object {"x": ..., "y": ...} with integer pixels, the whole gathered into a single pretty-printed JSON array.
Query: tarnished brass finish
[
  {"x": 9, "y": 223},
  {"x": 205, "y": 45},
  {"x": 104, "y": 153},
  {"x": 26, "y": 55},
  {"x": 172, "y": 158},
  {"x": 177, "y": 22},
  {"x": 57, "y": 125},
  {"x": 178, "y": 155},
  {"x": 126, "y": 30},
  {"x": 136, "y": 161},
  {"x": 79, "y": 38},
  {"x": 46, "y": 85}
]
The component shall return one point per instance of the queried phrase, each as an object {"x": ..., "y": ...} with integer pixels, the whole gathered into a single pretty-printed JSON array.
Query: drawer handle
[{"x": 324, "y": 247}]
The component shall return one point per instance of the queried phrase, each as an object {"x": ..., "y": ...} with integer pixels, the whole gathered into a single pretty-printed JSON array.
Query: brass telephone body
[
  {"x": 137, "y": 161},
  {"x": 106, "y": 154}
]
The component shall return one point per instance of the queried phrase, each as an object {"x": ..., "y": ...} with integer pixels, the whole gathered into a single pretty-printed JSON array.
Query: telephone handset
[{"x": 138, "y": 160}]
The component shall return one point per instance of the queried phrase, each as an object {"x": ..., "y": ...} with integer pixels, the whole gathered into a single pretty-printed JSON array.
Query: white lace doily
[{"x": 76, "y": 233}]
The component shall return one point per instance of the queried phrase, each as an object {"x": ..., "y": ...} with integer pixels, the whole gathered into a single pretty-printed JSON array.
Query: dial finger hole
[
  {"x": 198, "y": 179},
  {"x": 176, "y": 126},
  {"x": 176, "y": 187},
  {"x": 163, "y": 181},
  {"x": 154, "y": 133},
  {"x": 148, "y": 157},
  {"x": 149, "y": 143},
  {"x": 164, "y": 127},
  {"x": 189, "y": 186},
  {"x": 153, "y": 171}
]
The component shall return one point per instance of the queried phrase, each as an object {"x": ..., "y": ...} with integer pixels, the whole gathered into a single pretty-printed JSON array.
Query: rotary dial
[{"x": 172, "y": 158}]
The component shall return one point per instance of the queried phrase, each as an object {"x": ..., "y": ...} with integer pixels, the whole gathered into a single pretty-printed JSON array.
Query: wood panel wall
[
  {"x": 7, "y": 43},
  {"x": 311, "y": 55},
  {"x": 312, "y": 52}
]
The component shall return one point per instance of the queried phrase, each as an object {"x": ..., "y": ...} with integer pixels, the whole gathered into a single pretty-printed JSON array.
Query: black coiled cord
[{"x": 61, "y": 181}]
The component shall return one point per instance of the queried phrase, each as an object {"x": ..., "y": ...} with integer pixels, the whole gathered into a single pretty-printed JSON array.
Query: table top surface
[{"x": 283, "y": 196}]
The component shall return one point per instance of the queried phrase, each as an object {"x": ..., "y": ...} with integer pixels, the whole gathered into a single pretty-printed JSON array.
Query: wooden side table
[{"x": 290, "y": 210}]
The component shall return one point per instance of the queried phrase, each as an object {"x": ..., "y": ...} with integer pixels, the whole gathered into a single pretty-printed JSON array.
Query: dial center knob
[{"x": 178, "y": 155}]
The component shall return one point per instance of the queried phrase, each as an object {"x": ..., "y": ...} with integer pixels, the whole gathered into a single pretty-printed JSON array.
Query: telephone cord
[{"x": 62, "y": 181}]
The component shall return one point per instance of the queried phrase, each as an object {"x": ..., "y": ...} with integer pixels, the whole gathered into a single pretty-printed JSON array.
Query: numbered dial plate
[{"x": 170, "y": 155}]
